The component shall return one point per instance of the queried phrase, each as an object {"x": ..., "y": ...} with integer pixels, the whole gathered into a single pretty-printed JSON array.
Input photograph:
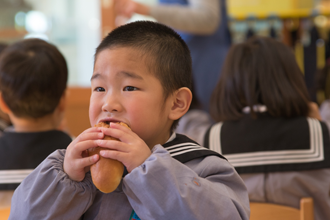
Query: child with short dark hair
[
  {"x": 268, "y": 129},
  {"x": 142, "y": 77},
  {"x": 33, "y": 80},
  {"x": 4, "y": 118}
]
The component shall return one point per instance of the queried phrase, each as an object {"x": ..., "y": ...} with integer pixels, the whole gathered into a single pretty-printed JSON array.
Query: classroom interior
[
  {"x": 76, "y": 33},
  {"x": 76, "y": 27}
]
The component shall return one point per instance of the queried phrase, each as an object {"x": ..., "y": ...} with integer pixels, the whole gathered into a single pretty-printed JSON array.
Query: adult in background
[{"x": 203, "y": 26}]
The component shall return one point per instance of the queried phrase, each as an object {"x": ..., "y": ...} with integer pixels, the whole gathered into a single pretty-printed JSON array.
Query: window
[{"x": 72, "y": 25}]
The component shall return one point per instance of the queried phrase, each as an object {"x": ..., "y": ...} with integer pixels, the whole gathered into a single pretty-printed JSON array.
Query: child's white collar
[{"x": 172, "y": 137}]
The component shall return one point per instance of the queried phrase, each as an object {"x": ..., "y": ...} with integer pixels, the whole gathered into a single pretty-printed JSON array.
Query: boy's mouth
[{"x": 108, "y": 121}]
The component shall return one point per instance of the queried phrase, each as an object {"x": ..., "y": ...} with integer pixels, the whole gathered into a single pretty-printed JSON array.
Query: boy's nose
[{"x": 111, "y": 104}]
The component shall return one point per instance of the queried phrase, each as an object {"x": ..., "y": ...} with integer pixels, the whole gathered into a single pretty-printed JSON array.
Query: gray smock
[
  {"x": 161, "y": 188},
  {"x": 287, "y": 188}
]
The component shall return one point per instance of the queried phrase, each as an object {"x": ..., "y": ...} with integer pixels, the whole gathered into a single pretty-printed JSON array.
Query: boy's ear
[
  {"x": 3, "y": 106},
  {"x": 181, "y": 103}
]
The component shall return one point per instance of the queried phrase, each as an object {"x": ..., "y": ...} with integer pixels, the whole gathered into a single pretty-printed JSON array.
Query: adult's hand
[{"x": 127, "y": 8}]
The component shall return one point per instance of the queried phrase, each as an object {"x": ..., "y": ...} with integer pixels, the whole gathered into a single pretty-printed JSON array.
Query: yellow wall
[{"x": 241, "y": 9}]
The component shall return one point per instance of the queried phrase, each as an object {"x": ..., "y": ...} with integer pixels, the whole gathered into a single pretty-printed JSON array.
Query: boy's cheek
[
  {"x": 92, "y": 116},
  {"x": 141, "y": 127}
]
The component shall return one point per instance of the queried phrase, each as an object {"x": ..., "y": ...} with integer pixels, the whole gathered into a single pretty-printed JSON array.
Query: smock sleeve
[{"x": 48, "y": 193}]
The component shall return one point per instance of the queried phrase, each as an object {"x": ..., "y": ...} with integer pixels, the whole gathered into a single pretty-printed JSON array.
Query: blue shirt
[{"x": 208, "y": 53}]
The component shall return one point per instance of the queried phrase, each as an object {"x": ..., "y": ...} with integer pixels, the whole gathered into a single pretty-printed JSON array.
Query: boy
[
  {"x": 33, "y": 78},
  {"x": 142, "y": 75}
]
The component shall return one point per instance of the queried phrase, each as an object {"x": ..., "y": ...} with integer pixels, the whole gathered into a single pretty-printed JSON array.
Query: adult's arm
[
  {"x": 199, "y": 17},
  {"x": 48, "y": 193},
  {"x": 164, "y": 188}
]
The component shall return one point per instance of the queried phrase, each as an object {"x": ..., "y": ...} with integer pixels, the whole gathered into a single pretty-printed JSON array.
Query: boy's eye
[
  {"x": 130, "y": 88},
  {"x": 99, "y": 89}
]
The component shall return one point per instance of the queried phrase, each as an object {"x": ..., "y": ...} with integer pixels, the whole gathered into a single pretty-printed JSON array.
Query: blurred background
[{"x": 76, "y": 27}]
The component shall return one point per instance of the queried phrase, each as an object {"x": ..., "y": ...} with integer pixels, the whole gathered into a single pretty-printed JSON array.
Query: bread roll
[{"x": 106, "y": 173}]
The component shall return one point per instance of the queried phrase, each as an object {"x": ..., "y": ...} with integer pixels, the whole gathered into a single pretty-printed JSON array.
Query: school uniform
[
  {"x": 20, "y": 153},
  {"x": 325, "y": 112},
  {"x": 194, "y": 124},
  {"x": 179, "y": 180},
  {"x": 279, "y": 159},
  {"x": 3, "y": 126}
]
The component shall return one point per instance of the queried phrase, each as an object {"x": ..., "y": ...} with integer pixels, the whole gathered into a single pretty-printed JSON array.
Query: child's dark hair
[
  {"x": 33, "y": 78},
  {"x": 2, "y": 47},
  {"x": 162, "y": 49},
  {"x": 260, "y": 71},
  {"x": 322, "y": 83}
]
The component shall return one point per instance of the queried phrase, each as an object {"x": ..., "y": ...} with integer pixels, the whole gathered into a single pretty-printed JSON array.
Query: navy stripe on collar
[{"x": 184, "y": 149}]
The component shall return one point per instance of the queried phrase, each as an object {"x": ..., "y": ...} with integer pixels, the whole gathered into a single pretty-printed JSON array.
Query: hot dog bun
[{"x": 106, "y": 173}]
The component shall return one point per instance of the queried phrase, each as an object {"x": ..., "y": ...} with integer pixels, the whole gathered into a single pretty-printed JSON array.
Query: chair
[
  {"x": 4, "y": 213},
  {"x": 268, "y": 211}
]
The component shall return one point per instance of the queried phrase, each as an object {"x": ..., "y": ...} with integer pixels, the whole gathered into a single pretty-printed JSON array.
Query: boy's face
[{"x": 123, "y": 89}]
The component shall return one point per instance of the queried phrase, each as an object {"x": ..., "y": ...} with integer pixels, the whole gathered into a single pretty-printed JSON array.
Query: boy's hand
[
  {"x": 131, "y": 150},
  {"x": 76, "y": 160}
]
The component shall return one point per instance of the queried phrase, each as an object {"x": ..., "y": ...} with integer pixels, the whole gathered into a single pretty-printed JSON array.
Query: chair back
[
  {"x": 263, "y": 211},
  {"x": 4, "y": 213}
]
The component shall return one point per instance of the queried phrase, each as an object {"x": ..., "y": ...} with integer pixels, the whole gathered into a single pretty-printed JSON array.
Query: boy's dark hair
[
  {"x": 33, "y": 77},
  {"x": 162, "y": 49},
  {"x": 260, "y": 71}
]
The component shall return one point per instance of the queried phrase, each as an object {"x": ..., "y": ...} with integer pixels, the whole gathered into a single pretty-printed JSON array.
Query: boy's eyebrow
[
  {"x": 96, "y": 75},
  {"x": 120, "y": 74},
  {"x": 130, "y": 75}
]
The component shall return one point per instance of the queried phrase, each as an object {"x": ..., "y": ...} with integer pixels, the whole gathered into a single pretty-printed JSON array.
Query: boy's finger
[
  {"x": 83, "y": 146},
  {"x": 116, "y": 155},
  {"x": 118, "y": 131},
  {"x": 113, "y": 145},
  {"x": 83, "y": 139},
  {"x": 91, "y": 134},
  {"x": 87, "y": 161}
]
